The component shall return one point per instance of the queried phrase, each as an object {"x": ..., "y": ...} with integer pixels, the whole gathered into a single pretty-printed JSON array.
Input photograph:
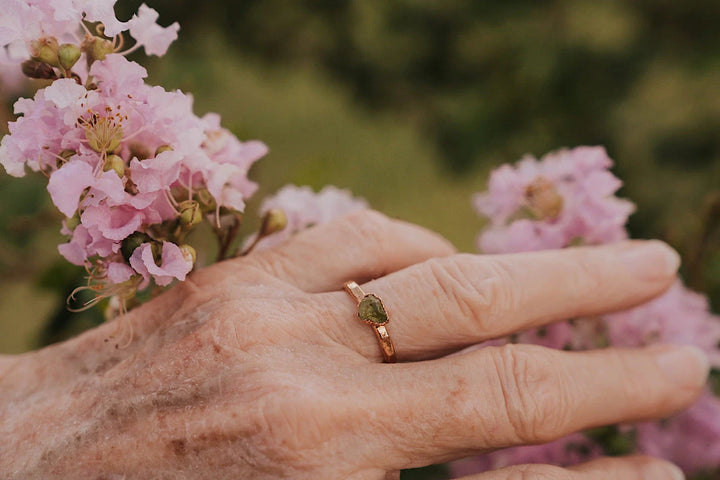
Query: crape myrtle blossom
[
  {"x": 569, "y": 450},
  {"x": 565, "y": 199},
  {"x": 680, "y": 316},
  {"x": 304, "y": 208},
  {"x": 131, "y": 167},
  {"x": 691, "y": 439},
  {"x": 36, "y": 29}
]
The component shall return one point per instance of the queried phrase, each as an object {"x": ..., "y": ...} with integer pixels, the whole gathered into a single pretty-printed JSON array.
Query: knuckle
[
  {"x": 480, "y": 291},
  {"x": 366, "y": 218},
  {"x": 283, "y": 417},
  {"x": 448, "y": 276},
  {"x": 502, "y": 282},
  {"x": 532, "y": 393},
  {"x": 274, "y": 262},
  {"x": 370, "y": 225}
]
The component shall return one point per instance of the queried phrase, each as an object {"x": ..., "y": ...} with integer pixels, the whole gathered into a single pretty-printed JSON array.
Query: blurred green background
[{"x": 410, "y": 103}]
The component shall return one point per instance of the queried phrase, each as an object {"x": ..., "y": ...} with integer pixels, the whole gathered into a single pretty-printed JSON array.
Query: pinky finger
[{"x": 628, "y": 468}]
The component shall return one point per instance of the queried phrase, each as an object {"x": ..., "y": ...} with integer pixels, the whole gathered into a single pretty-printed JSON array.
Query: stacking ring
[{"x": 372, "y": 311}]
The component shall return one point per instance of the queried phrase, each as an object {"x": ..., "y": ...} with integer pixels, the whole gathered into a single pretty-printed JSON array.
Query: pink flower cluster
[
  {"x": 680, "y": 316},
  {"x": 305, "y": 208},
  {"x": 26, "y": 24},
  {"x": 570, "y": 450},
  {"x": 130, "y": 165},
  {"x": 691, "y": 439},
  {"x": 565, "y": 199}
]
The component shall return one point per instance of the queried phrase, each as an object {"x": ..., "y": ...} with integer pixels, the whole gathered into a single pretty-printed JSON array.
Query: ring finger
[{"x": 444, "y": 304}]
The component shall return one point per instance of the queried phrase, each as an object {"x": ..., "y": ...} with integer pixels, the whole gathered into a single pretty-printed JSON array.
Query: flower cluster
[
  {"x": 304, "y": 208},
  {"x": 56, "y": 33},
  {"x": 130, "y": 165},
  {"x": 565, "y": 199},
  {"x": 570, "y": 450}
]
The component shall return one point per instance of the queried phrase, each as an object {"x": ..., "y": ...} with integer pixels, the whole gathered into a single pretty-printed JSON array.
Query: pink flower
[
  {"x": 566, "y": 197},
  {"x": 691, "y": 439},
  {"x": 156, "y": 174},
  {"x": 557, "y": 335},
  {"x": 122, "y": 157},
  {"x": 25, "y": 21},
  {"x": 175, "y": 264},
  {"x": 119, "y": 76},
  {"x": 305, "y": 208},
  {"x": 154, "y": 38},
  {"x": 86, "y": 242},
  {"x": 566, "y": 451},
  {"x": 680, "y": 316},
  {"x": 68, "y": 183},
  {"x": 102, "y": 11},
  {"x": 231, "y": 160},
  {"x": 114, "y": 223},
  {"x": 119, "y": 272}
]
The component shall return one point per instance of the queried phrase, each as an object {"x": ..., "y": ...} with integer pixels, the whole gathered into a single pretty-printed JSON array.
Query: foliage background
[{"x": 410, "y": 103}]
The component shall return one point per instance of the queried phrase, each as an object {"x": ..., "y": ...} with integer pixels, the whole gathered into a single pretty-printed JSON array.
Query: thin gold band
[{"x": 386, "y": 345}]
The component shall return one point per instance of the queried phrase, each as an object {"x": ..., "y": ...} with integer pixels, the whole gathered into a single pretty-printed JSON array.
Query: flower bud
[
  {"x": 34, "y": 69},
  {"x": 188, "y": 253},
  {"x": 133, "y": 241},
  {"x": 45, "y": 50},
  {"x": 68, "y": 55},
  {"x": 190, "y": 213},
  {"x": 97, "y": 48},
  {"x": 115, "y": 162},
  {"x": 206, "y": 199},
  {"x": 273, "y": 221},
  {"x": 543, "y": 199},
  {"x": 163, "y": 148}
]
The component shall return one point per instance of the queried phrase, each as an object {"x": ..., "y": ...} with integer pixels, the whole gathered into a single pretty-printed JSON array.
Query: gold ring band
[{"x": 372, "y": 311}]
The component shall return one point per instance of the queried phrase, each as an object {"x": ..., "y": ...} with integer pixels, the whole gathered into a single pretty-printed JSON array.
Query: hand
[{"x": 258, "y": 368}]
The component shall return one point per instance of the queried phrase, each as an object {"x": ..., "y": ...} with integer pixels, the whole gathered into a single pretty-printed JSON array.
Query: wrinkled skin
[{"x": 258, "y": 367}]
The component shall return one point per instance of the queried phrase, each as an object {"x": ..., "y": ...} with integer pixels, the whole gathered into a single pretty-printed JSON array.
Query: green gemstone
[{"x": 371, "y": 310}]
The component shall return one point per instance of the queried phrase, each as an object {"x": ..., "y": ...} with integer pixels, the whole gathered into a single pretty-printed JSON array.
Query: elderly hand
[{"x": 258, "y": 368}]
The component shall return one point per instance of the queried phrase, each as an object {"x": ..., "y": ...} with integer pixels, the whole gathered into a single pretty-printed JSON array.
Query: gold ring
[{"x": 372, "y": 311}]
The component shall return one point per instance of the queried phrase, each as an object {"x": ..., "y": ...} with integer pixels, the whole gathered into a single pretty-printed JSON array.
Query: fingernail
[
  {"x": 662, "y": 471},
  {"x": 685, "y": 366},
  {"x": 650, "y": 260}
]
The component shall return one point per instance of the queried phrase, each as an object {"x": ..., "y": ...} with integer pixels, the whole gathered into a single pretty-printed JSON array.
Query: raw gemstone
[{"x": 371, "y": 310}]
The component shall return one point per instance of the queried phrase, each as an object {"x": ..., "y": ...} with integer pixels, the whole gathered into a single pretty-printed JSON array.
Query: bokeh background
[{"x": 409, "y": 104}]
